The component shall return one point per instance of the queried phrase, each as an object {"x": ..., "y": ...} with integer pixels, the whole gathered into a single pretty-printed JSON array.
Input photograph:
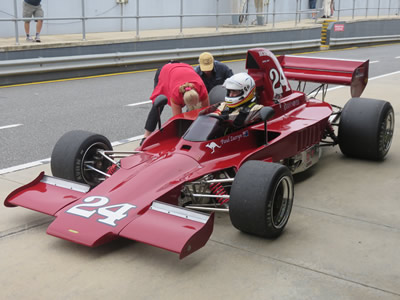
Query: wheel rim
[
  {"x": 387, "y": 132},
  {"x": 282, "y": 202},
  {"x": 92, "y": 159}
]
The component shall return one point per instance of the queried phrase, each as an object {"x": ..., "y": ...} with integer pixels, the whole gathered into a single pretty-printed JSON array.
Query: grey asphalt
[
  {"x": 98, "y": 104},
  {"x": 342, "y": 242}
]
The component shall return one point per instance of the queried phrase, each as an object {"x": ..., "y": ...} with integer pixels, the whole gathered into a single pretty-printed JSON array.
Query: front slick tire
[
  {"x": 76, "y": 154},
  {"x": 261, "y": 198},
  {"x": 366, "y": 128}
]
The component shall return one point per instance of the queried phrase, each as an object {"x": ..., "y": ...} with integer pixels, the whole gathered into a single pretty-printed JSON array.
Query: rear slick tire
[
  {"x": 366, "y": 128},
  {"x": 261, "y": 198}
]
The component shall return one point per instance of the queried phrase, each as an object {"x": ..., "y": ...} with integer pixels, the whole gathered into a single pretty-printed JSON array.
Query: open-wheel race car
[{"x": 165, "y": 193}]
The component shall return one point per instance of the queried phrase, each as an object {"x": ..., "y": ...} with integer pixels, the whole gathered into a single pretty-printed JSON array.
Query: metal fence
[{"x": 359, "y": 8}]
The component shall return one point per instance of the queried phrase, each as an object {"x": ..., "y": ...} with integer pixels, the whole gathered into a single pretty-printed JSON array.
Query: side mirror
[
  {"x": 159, "y": 104},
  {"x": 266, "y": 113}
]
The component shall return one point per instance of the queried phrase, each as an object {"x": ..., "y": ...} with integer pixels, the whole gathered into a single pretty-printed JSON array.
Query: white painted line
[
  {"x": 10, "y": 126},
  {"x": 374, "y": 61},
  {"x": 139, "y": 103},
  {"x": 397, "y": 57},
  {"x": 47, "y": 160},
  {"x": 128, "y": 140},
  {"x": 384, "y": 75},
  {"x": 373, "y": 78},
  {"x": 25, "y": 166}
]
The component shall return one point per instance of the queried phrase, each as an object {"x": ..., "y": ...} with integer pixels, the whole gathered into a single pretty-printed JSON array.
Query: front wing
[{"x": 166, "y": 226}]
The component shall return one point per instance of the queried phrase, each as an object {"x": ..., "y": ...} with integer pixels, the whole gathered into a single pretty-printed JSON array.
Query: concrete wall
[
  {"x": 285, "y": 10},
  {"x": 366, "y": 31}
]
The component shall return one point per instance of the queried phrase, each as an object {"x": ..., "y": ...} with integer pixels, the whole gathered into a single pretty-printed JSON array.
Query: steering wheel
[{"x": 219, "y": 117}]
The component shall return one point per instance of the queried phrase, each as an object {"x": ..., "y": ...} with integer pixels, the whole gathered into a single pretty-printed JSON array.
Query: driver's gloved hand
[
  {"x": 224, "y": 116},
  {"x": 239, "y": 120}
]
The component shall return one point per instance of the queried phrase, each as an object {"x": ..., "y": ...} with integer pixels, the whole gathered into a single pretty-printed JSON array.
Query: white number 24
[
  {"x": 278, "y": 81},
  {"x": 97, "y": 205}
]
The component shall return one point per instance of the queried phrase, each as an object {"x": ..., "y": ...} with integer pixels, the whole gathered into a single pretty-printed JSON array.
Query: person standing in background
[
  {"x": 312, "y": 4},
  {"x": 328, "y": 11},
  {"x": 259, "y": 4},
  {"x": 211, "y": 71},
  {"x": 32, "y": 8}
]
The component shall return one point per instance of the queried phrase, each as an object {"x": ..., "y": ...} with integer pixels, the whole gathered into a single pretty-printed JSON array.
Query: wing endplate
[
  {"x": 172, "y": 228},
  {"x": 46, "y": 194}
]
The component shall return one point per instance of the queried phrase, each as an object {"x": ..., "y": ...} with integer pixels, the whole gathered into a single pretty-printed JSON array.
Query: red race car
[{"x": 166, "y": 192}]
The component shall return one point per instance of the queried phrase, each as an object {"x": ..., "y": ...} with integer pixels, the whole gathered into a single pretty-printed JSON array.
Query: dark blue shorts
[{"x": 312, "y": 3}]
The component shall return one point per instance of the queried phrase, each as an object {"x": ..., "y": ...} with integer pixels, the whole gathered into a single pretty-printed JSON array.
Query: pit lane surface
[{"x": 341, "y": 241}]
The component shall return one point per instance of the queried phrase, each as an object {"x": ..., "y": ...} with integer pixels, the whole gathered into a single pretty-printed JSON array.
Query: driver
[{"x": 240, "y": 105}]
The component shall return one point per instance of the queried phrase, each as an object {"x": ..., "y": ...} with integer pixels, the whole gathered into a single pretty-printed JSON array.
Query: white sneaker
[{"x": 29, "y": 39}]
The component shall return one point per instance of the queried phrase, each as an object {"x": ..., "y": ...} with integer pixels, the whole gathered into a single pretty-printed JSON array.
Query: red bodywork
[{"x": 139, "y": 201}]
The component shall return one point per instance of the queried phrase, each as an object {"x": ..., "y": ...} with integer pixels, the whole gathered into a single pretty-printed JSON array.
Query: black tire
[
  {"x": 74, "y": 151},
  {"x": 217, "y": 94},
  {"x": 261, "y": 198},
  {"x": 366, "y": 128}
]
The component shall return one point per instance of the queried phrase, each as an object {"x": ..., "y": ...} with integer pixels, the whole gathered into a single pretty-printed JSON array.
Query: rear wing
[{"x": 327, "y": 71}]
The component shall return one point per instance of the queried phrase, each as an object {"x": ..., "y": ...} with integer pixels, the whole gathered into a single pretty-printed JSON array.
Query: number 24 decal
[
  {"x": 278, "y": 81},
  {"x": 96, "y": 204}
]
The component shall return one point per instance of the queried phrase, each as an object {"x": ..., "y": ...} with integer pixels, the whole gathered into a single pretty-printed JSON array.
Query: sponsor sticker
[{"x": 231, "y": 138}]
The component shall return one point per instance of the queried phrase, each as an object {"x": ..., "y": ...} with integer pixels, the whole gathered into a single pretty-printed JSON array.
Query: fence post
[
  {"x": 137, "y": 18},
  {"x": 273, "y": 15},
  {"x": 181, "y": 19},
  {"x": 379, "y": 7},
  {"x": 366, "y": 9},
  {"x": 390, "y": 4},
  {"x": 354, "y": 6},
  {"x": 217, "y": 15},
  {"x": 16, "y": 23},
  {"x": 83, "y": 21},
  {"x": 338, "y": 13},
  {"x": 297, "y": 13},
  {"x": 122, "y": 17}
]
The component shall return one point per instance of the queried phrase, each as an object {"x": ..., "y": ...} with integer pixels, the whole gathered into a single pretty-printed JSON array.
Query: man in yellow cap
[{"x": 212, "y": 71}]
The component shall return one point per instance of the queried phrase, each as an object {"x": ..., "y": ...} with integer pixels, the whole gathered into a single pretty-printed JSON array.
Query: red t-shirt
[{"x": 172, "y": 76}]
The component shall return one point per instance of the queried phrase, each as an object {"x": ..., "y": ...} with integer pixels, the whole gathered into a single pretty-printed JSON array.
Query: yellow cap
[{"x": 206, "y": 61}]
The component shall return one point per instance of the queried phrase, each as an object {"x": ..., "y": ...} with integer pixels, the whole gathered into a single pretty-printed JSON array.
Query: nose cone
[{"x": 101, "y": 214}]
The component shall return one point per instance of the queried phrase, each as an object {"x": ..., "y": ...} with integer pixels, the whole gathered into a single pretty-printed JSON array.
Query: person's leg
[
  {"x": 156, "y": 76},
  {"x": 39, "y": 25},
  {"x": 38, "y": 13},
  {"x": 312, "y": 6},
  {"x": 152, "y": 120},
  {"x": 259, "y": 4},
  {"x": 26, "y": 26},
  {"x": 27, "y": 13},
  {"x": 326, "y": 8}
]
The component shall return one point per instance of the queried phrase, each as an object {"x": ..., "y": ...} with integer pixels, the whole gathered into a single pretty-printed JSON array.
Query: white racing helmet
[{"x": 242, "y": 82}]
